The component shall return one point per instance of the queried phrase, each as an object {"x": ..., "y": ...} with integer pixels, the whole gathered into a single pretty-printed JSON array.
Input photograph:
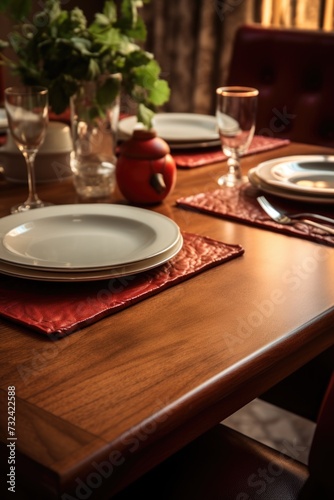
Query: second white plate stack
[{"x": 308, "y": 178}]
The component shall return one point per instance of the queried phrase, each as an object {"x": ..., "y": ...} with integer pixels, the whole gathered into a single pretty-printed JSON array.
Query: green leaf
[
  {"x": 138, "y": 58},
  {"x": 82, "y": 45},
  {"x": 110, "y": 11},
  {"x": 160, "y": 93},
  {"x": 153, "y": 68},
  {"x": 138, "y": 32},
  {"x": 109, "y": 37},
  {"x": 53, "y": 11},
  {"x": 145, "y": 116},
  {"x": 93, "y": 69},
  {"x": 101, "y": 20},
  {"x": 59, "y": 21},
  {"x": 107, "y": 92},
  {"x": 129, "y": 12},
  {"x": 72, "y": 23},
  {"x": 146, "y": 76}
]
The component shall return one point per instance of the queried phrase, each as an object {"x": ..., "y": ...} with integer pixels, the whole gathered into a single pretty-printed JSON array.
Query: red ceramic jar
[{"x": 145, "y": 170}]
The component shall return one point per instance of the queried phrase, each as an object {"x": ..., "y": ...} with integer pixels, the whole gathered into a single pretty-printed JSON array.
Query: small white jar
[{"x": 52, "y": 160}]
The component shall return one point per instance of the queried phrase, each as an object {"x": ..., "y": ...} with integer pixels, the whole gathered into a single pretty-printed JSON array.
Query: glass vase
[{"x": 94, "y": 121}]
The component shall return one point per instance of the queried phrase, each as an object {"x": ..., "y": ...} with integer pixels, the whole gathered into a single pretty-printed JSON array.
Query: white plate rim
[
  {"x": 96, "y": 275},
  {"x": 167, "y": 233},
  {"x": 276, "y": 191},
  {"x": 121, "y": 268},
  {"x": 127, "y": 125},
  {"x": 264, "y": 172}
]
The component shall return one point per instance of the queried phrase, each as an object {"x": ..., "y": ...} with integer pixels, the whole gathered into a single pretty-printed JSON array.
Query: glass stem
[
  {"x": 33, "y": 199},
  {"x": 234, "y": 169}
]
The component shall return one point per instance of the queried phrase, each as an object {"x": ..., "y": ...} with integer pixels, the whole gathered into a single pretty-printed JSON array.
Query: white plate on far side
[
  {"x": 305, "y": 174},
  {"x": 41, "y": 274},
  {"x": 194, "y": 145},
  {"x": 177, "y": 127},
  {"x": 85, "y": 237},
  {"x": 227, "y": 125}
]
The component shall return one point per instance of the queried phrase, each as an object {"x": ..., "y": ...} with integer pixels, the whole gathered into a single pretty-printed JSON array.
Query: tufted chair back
[{"x": 294, "y": 72}]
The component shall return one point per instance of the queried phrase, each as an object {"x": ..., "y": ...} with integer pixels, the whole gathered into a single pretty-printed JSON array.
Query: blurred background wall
[{"x": 192, "y": 39}]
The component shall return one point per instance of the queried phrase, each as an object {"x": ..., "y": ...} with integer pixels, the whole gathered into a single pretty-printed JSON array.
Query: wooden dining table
[{"x": 98, "y": 408}]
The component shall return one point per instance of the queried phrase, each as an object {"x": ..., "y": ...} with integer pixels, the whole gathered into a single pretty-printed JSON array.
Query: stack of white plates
[
  {"x": 85, "y": 242},
  {"x": 179, "y": 130},
  {"x": 308, "y": 178}
]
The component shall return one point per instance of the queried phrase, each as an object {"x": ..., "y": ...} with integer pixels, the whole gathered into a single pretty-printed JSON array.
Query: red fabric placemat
[
  {"x": 199, "y": 158},
  {"x": 240, "y": 204},
  {"x": 57, "y": 309}
]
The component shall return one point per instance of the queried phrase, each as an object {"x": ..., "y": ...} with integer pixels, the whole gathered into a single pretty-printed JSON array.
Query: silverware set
[{"x": 291, "y": 219}]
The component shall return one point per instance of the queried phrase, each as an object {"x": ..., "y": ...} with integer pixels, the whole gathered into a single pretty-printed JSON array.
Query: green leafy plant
[{"x": 59, "y": 49}]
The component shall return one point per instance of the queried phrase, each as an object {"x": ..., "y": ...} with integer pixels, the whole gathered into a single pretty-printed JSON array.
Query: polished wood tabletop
[{"x": 100, "y": 407}]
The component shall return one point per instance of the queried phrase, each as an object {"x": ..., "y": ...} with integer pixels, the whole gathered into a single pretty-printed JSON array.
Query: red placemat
[
  {"x": 57, "y": 309},
  {"x": 199, "y": 158},
  {"x": 240, "y": 204}
]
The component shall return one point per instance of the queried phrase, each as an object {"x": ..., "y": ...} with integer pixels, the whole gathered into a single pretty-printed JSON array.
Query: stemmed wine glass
[
  {"x": 236, "y": 116},
  {"x": 27, "y": 114}
]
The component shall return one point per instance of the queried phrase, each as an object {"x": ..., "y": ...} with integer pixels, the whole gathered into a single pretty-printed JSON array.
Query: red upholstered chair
[
  {"x": 226, "y": 465},
  {"x": 294, "y": 72}
]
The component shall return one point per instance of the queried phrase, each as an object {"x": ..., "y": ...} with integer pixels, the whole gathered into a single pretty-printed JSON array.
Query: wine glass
[
  {"x": 27, "y": 114},
  {"x": 236, "y": 115}
]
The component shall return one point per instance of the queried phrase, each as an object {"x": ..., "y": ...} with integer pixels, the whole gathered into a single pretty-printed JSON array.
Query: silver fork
[{"x": 286, "y": 219}]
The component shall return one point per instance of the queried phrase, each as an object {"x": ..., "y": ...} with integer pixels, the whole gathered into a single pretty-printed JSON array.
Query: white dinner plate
[
  {"x": 305, "y": 174},
  {"x": 41, "y": 274},
  {"x": 85, "y": 237},
  {"x": 285, "y": 193},
  {"x": 177, "y": 128}
]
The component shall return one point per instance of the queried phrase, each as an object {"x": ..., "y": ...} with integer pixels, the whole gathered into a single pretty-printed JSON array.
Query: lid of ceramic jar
[{"x": 144, "y": 144}]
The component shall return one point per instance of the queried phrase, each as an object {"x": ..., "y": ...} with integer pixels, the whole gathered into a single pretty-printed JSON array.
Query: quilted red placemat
[
  {"x": 240, "y": 204},
  {"x": 199, "y": 158},
  {"x": 57, "y": 309}
]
